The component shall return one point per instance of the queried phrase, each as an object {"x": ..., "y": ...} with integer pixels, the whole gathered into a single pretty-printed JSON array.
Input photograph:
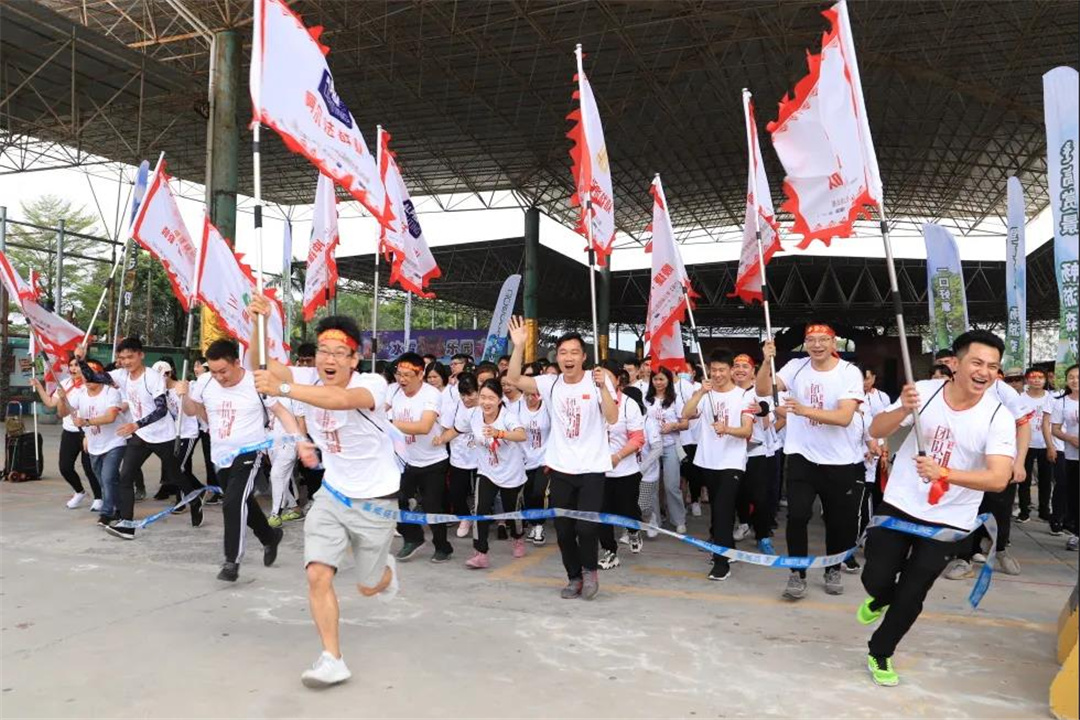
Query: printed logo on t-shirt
[
  {"x": 493, "y": 453},
  {"x": 535, "y": 437},
  {"x": 227, "y": 413},
  {"x": 942, "y": 445},
  {"x": 403, "y": 415},
  {"x": 326, "y": 423},
  {"x": 572, "y": 413},
  {"x": 817, "y": 400}
]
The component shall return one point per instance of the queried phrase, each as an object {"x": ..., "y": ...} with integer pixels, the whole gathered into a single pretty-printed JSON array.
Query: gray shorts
[{"x": 330, "y": 528}]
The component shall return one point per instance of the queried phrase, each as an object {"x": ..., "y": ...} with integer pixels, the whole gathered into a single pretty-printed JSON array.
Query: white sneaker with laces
[
  {"x": 76, "y": 500},
  {"x": 96, "y": 506},
  {"x": 464, "y": 528},
  {"x": 326, "y": 671},
  {"x": 695, "y": 509},
  {"x": 652, "y": 532},
  {"x": 741, "y": 532}
]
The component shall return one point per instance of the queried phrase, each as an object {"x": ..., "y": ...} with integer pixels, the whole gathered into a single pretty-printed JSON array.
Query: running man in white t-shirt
[
  {"x": 727, "y": 423},
  {"x": 970, "y": 444},
  {"x": 577, "y": 453},
  {"x": 239, "y": 421},
  {"x": 346, "y": 417},
  {"x": 823, "y": 458}
]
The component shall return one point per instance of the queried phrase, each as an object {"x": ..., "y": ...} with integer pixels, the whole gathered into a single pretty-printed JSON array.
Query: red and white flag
[
  {"x": 320, "y": 283},
  {"x": 226, "y": 286},
  {"x": 822, "y": 136},
  {"x": 760, "y": 217},
  {"x": 669, "y": 290},
  {"x": 160, "y": 229},
  {"x": 412, "y": 264},
  {"x": 18, "y": 289},
  {"x": 292, "y": 92},
  {"x": 592, "y": 170}
]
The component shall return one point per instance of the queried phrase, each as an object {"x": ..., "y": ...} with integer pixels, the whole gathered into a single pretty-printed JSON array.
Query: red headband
[
  {"x": 746, "y": 359},
  {"x": 340, "y": 336},
  {"x": 409, "y": 366},
  {"x": 819, "y": 330}
]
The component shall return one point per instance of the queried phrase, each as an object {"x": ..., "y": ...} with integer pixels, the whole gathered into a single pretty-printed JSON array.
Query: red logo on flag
[{"x": 835, "y": 181}]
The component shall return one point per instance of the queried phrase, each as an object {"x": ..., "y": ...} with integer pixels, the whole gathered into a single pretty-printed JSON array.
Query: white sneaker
[
  {"x": 695, "y": 509},
  {"x": 652, "y": 532},
  {"x": 76, "y": 500},
  {"x": 741, "y": 532},
  {"x": 538, "y": 537},
  {"x": 96, "y": 506},
  {"x": 326, "y": 671},
  {"x": 625, "y": 538},
  {"x": 978, "y": 557},
  {"x": 681, "y": 529},
  {"x": 464, "y": 528}
]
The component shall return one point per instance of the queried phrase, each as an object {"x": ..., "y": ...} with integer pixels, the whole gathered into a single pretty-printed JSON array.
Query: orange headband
[
  {"x": 819, "y": 330},
  {"x": 746, "y": 359},
  {"x": 410, "y": 366},
  {"x": 340, "y": 336}
]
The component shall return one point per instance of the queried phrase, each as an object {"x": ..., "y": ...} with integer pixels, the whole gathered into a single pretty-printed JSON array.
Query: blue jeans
[
  {"x": 672, "y": 486},
  {"x": 107, "y": 469}
]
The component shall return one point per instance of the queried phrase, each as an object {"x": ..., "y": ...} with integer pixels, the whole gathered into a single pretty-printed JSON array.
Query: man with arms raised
[
  {"x": 824, "y": 460},
  {"x": 346, "y": 419},
  {"x": 970, "y": 443},
  {"x": 581, "y": 408}
]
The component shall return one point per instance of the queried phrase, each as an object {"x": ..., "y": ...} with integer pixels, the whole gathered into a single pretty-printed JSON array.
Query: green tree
[{"x": 31, "y": 248}]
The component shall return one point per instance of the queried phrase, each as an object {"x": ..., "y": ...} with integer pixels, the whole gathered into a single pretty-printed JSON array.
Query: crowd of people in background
[{"x": 658, "y": 443}]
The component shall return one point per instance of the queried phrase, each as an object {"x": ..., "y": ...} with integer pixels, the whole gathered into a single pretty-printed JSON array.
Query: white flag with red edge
[
  {"x": 670, "y": 286},
  {"x": 17, "y": 288},
  {"x": 292, "y": 92},
  {"x": 412, "y": 264},
  {"x": 320, "y": 282},
  {"x": 227, "y": 285},
  {"x": 667, "y": 350},
  {"x": 592, "y": 169},
  {"x": 822, "y": 136},
  {"x": 160, "y": 230},
  {"x": 57, "y": 337},
  {"x": 760, "y": 217}
]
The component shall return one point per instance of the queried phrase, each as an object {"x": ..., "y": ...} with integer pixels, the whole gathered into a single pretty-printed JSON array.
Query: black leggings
[
  {"x": 211, "y": 473},
  {"x": 461, "y": 486},
  {"x": 71, "y": 446},
  {"x": 723, "y": 486},
  {"x": 536, "y": 491},
  {"x": 900, "y": 570},
  {"x": 692, "y": 473},
  {"x": 429, "y": 482},
  {"x": 577, "y": 538},
  {"x": 485, "y": 501},
  {"x": 136, "y": 452},
  {"x": 752, "y": 504},
  {"x": 620, "y": 498},
  {"x": 838, "y": 488},
  {"x": 1036, "y": 460}
]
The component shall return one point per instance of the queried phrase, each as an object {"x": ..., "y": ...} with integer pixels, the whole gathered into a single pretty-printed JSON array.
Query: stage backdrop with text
[{"x": 441, "y": 343}]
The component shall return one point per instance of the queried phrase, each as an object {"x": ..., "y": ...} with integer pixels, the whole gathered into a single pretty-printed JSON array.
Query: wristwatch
[{"x": 284, "y": 389}]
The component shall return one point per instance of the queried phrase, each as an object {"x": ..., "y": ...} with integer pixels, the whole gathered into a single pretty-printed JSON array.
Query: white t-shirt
[
  {"x": 761, "y": 440},
  {"x": 100, "y": 439},
  {"x": 631, "y": 419},
  {"x": 419, "y": 451},
  {"x": 237, "y": 417},
  {"x": 1052, "y": 401},
  {"x": 462, "y": 447},
  {"x": 664, "y": 415},
  {"x": 500, "y": 461},
  {"x": 1035, "y": 408},
  {"x": 357, "y": 449},
  {"x": 818, "y": 443},
  {"x": 1065, "y": 414},
  {"x": 959, "y": 440},
  {"x": 876, "y": 401},
  {"x": 578, "y": 443},
  {"x": 537, "y": 428},
  {"x": 642, "y": 385},
  {"x": 72, "y": 390},
  {"x": 139, "y": 394},
  {"x": 189, "y": 425},
  {"x": 722, "y": 452},
  {"x": 684, "y": 390}
]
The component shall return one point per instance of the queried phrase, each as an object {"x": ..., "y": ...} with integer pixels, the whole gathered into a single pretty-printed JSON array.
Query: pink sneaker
[
  {"x": 519, "y": 547},
  {"x": 464, "y": 528},
  {"x": 479, "y": 561}
]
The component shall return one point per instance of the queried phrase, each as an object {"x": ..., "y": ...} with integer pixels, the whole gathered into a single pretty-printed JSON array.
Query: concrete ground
[{"x": 96, "y": 627}]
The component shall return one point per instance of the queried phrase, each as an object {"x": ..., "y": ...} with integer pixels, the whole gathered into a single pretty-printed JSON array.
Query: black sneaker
[
  {"x": 1023, "y": 518},
  {"x": 503, "y": 533},
  {"x": 214, "y": 499},
  {"x": 270, "y": 550},
  {"x": 851, "y": 565},
  {"x": 162, "y": 493},
  {"x": 140, "y": 494},
  {"x": 441, "y": 556},
  {"x": 1055, "y": 529},
  {"x": 124, "y": 533},
  {"x": 720, "y": 571},
  {"x": 179, "y": 510},
  {"x": 196, "y": 513},
  {"x": 230, "y": 572},
  {"x": 408, "y": 551},
  {"x": 104, "y": 521}
]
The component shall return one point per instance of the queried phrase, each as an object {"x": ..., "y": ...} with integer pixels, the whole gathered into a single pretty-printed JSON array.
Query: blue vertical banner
[
  {"x": 945, "y": 291},
  {"x": 1016, "y": 351},
  {"x": 1061, "y": 96},
  {"x": 495, "y": 345}
]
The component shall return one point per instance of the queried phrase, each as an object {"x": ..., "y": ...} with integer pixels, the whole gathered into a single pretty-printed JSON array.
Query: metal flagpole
[
  {"x": 375, "y": 294},
  {"x": 257, "y": 172},
  {"x": 33, "y": 375},
  {"x": 190, "y": 332},
  {"x": 588, "y": 222},
  {"x": 898, "y": 306}
]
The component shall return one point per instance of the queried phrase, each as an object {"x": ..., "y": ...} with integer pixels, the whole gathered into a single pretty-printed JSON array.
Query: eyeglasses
[{"x": 340, "y": 354}]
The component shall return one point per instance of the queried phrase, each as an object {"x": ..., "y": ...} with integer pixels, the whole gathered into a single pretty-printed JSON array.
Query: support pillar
[
  {"x": 222, "y": 157},
  {"x": 603, "y": 308},
  {"x": 59, "y": 292},
  {"x": 531, "y": 300}
]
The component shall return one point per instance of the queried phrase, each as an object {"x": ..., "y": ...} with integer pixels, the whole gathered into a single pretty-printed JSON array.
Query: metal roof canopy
[{"x": 803, "y": 287}]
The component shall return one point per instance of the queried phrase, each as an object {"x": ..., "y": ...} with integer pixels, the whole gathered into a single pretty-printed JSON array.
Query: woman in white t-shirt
[
  {"x": 96, "y": 412},
  {"x": 537, "y": 422},
  {"x": 664, "y": 406},
  {"x": 71, "y": 439},
  {"x": 500, "y": 460},
  {"x": 1066, "y": 427},
  {"x": 623, "y": 487},
  {"x": 459, "y": 399}
]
